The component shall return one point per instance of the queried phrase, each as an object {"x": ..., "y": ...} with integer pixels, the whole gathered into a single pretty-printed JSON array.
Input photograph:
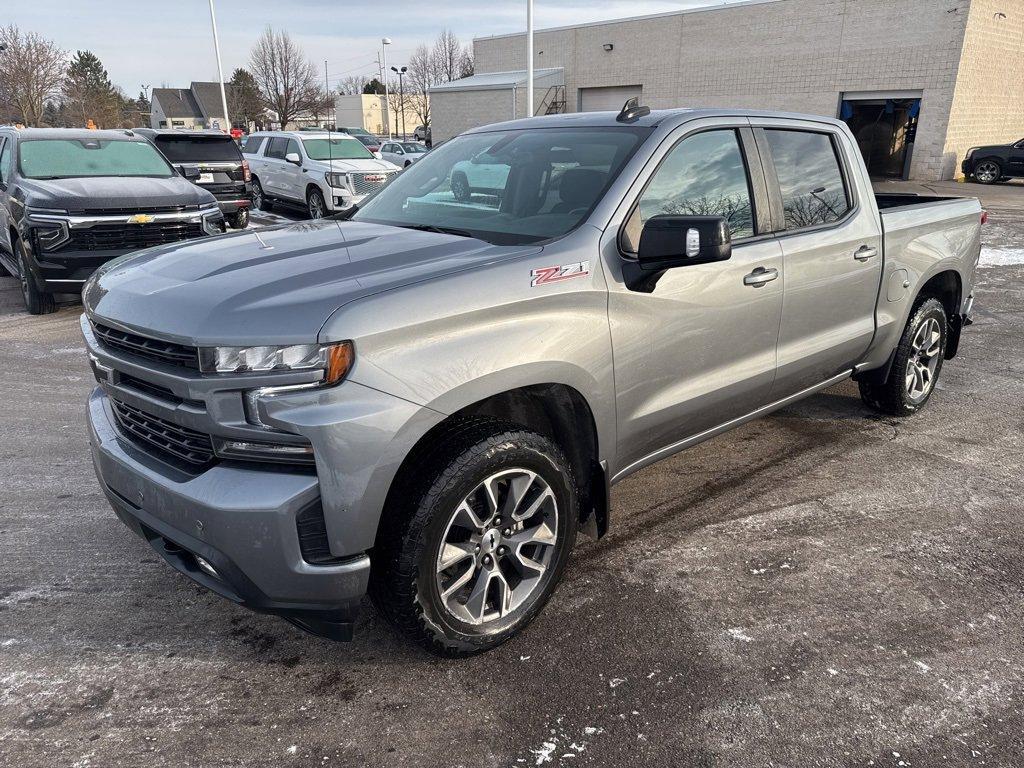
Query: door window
[
  {"x": 704, "y": 175},
  {"x": 276, "y": 148},
  {"x": 810, "y": 177},
  {"x": 6, "y": 155},
  {"x": 292, "y": 148},
  {"x": 251, "y": 145}
]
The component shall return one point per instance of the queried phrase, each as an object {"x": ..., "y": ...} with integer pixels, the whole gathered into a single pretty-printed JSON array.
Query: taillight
[
  {"x": 246, "y": 175},
  {"x": 984, "y": 217}
]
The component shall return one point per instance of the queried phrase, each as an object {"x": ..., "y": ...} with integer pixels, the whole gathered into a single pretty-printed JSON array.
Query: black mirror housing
[{"x": 669, "y": 241}]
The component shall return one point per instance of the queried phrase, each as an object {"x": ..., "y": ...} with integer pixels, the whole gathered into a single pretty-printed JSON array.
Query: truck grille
[
  {"x": 188, "y": 445},
  {"x": 365, "y": 183},
  {"x": 143, "y": 346},
  {"x": 102, "y": 237}
]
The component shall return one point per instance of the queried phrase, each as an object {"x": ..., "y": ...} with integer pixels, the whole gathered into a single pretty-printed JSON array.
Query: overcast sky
[{"x": 157, "y": 43}]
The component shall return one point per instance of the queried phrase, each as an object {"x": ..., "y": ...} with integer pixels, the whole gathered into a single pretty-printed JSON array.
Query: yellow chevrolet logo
[{"x": 140, "y": 218}]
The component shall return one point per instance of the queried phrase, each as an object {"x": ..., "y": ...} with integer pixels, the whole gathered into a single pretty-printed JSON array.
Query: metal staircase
[{"x": 553, "y": 102}]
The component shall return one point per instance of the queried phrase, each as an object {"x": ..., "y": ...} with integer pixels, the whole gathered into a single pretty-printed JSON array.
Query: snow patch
[
  {"x": 737, "y": 633},
  {"x": 1001, "y": 257},
  {"x": 544, "y": 753}
]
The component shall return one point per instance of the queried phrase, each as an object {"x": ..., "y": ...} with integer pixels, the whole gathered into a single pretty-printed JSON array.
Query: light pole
[
  {"x": 529, "y": 58},
  {"x": 401, "y": 97},
  {"x": 220, "y": 70},
  {"x": 384, "y": 43}
]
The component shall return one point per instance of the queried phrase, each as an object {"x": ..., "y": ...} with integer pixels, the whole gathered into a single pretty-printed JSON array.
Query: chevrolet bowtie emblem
[{"x": 140, "y": 218}]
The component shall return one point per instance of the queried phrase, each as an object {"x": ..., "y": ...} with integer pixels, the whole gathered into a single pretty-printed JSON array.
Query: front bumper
[{"x": 236, "y": 520}]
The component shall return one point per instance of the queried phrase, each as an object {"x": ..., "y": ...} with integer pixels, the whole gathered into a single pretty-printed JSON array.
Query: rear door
[
  {"x": 824, "y": 217},
  {"x": 273, "y": 178},
  {"x": 699, "y": 348}
]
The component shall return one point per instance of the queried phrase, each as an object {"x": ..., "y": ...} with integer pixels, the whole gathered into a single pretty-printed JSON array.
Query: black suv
[
  {"x": 73, "y": 199},
  {"x": 993, "y": 163},
  {"x": 222, "y": 169}
]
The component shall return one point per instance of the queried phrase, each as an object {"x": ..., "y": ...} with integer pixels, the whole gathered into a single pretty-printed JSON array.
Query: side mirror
[
  {"x": 293, "y": 158},
  {"x": 678, "y": 241},
  {"x": 190, "y": 172}
]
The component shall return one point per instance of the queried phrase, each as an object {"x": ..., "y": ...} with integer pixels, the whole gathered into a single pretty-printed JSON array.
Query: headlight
[
  {"x": 971, "y": 151},
  {"x": 50, "y": 238},
  {"x": 336, "y": 180},
  {"x": 334, "y": 360},
  {"x": 213, "y": 221}
]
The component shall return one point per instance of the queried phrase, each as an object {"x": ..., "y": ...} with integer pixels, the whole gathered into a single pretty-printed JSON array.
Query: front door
[
  {"x": 832, "y": 246},
  {"x": 699, "y": 349}
]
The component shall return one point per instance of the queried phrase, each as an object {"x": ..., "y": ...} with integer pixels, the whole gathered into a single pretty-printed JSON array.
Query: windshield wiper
[{"x": 439, "y": 230}]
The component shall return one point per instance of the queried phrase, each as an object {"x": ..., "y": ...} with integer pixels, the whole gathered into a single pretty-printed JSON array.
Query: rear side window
[
  {"x": 6, "y": 155},
  {"x": 190, "y": 149},
  {"x": 276, "y": 148},
  {"x": 810, "y": 177},
  {"x": 251, "y": 144}
]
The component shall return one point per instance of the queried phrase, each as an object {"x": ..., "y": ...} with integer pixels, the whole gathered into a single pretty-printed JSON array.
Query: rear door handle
[
  {"x": 760, "y": 277},
  {"x": 865, "y": 252}
]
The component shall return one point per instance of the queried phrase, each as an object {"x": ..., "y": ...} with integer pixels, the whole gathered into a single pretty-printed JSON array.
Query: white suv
[{"x": 319, "y": 172}]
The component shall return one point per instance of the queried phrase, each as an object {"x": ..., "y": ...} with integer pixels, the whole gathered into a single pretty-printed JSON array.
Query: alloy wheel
[
  {"x": 925, "y": 352},
  {"x": 497, "y": 547},
  {"x": 257, "y": 195},
  {"x": 316, "y": 207},
  {"x": 986, "y": 172}
]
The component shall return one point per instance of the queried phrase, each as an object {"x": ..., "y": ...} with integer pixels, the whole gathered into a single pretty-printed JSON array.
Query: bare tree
[
  {"x": 422, "y": 75},
  {"x": 352, "y": 85},
  {"x": 449, "y": 57},
  {"x": 286, "y": 78},
  {"x": 31, "y": 75}
]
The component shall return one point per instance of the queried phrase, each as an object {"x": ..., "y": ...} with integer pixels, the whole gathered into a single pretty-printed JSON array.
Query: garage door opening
[
  {"x": 608, "y": 99},
  {"x": 885, "y": 129}
]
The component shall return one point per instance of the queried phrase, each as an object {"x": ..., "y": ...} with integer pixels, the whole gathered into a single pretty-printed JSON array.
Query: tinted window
[
  {"x": 809, "y": 177},
  {"x": 73, "y": 158},
  {"x": 192, "y": 149},
  {"x": 703, "y": 175},
  {"x": 5, "y": 159},
  {"x": 276, "y": 148},
  {"x": 251, "y": 144}
]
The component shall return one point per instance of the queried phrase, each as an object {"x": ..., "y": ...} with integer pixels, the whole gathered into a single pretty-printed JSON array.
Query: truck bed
[{"x": 889, "y": 200}]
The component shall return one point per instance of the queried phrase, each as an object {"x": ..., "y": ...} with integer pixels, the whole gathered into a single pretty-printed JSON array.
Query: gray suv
[{"x": 430, "y": 400}]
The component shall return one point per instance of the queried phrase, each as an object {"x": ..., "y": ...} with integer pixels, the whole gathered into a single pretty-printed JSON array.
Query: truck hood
[
  {"x": 100, "y": 193},
  {"x": 272, "y": 286}
]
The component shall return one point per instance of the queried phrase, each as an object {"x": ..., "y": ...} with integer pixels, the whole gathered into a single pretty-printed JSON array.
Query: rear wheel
[
  {"x": 37, "y": 302},
  {"x": 988, "y": 172},
  {"x": 469, "y": 556},
  {"x": 258, "y": 198},
  {"x": 460, "y": 187},
  {"x": 916, "y": 366},
  {"x": 315, "y": 205}
]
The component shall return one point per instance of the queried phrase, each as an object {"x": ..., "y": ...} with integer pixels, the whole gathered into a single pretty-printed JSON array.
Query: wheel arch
[{"x": 946, "y": 286}]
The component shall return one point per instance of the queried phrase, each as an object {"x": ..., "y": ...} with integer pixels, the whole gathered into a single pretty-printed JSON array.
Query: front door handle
[
  {"x": 865, "y": 252},
  {"x": 760, "y": 276}
]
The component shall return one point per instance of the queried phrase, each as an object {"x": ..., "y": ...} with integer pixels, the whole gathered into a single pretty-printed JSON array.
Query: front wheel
[
  {"x": 469, "y": 556},
  {"x": 988, "y": 172},
  {"x": 916, "y": 366},
  {"x": 37, "y": 302},
  {"x": 315, "y": 205}
]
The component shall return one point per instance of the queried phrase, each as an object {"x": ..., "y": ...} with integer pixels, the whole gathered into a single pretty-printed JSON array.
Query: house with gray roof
[{"x": 198, "y": 106}]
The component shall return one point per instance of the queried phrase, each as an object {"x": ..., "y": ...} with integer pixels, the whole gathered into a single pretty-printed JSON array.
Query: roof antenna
[{"x": 632, "y": 111}]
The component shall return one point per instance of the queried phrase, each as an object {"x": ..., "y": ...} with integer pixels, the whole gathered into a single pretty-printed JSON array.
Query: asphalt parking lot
[{"x": 824, "y": 587}]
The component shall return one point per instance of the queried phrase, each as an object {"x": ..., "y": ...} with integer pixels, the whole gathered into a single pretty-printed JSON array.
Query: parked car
[
  {"x": 222, "y": 170},
  {"x": 993, "y": 163},
  {"x": 422, "y": 133},
  {"x": 402, "y": 153},
  {"x": 352, "y": 131},
  {"x": 429, "y": 400},
  {"x": 322, "y": 173},
  {"x": 372, "y": 143},
  {"x": 485, "y": 173},
  {"x": 71, "y": 200}
]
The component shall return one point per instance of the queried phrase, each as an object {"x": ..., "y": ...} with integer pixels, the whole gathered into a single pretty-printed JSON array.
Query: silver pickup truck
[{"x": 427, "y": 400}]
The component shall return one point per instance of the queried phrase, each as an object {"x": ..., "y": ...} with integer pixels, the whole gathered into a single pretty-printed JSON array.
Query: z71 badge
[{"x": 545, "y": 275}]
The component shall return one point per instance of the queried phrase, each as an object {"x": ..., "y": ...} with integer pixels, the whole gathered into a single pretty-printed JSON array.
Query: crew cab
[
  {"x": 223, "y": 172},
  {"x": 428, "y": 398},
  {"x": 321, "y": 173},
  {"x": 71, "y": 200},
  {"x": 993, "y": 163}
]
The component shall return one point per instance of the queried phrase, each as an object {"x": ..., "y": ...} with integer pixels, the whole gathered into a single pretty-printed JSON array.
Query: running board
[{"x": 700, "y": 437}]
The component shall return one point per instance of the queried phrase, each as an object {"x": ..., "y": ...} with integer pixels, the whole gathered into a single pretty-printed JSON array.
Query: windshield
[
  {"x": 337, "y": 149},
  {"x": 414, "y": 149},
  {"x": 193, "y": 149},
  {"x": 507, "y": 187},
  {"x": 74, "y": 158}
]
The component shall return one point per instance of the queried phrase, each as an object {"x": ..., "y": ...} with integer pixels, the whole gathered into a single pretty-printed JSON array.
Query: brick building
[{"x": 919, "y": 81}]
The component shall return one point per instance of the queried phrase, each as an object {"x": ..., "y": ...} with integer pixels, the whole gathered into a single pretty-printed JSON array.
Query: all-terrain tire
[
  {"x": 403, "y": 577},
  {"x": 892, "y": 396},
  {"x": 37, "y": 302}
]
